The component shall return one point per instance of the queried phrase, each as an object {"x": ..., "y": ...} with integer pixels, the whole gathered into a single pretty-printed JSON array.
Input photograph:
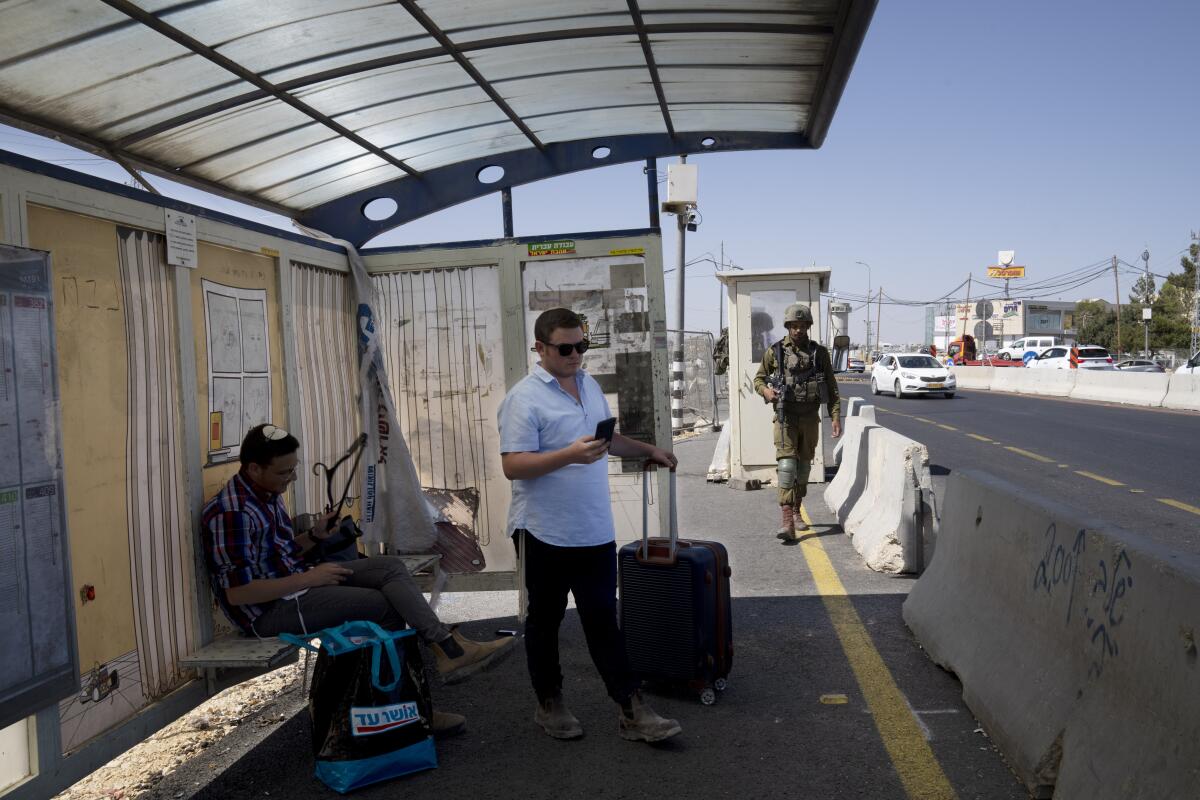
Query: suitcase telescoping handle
[{"x": 644, "y": 554}]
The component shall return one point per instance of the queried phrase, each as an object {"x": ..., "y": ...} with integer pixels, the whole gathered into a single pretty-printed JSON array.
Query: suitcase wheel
[
  {"x": 720, "y": 684},
  {"x": 708, "y": 696}
]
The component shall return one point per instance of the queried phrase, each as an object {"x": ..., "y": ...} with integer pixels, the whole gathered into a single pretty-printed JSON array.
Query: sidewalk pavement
[{"x": 829, "y": 697}]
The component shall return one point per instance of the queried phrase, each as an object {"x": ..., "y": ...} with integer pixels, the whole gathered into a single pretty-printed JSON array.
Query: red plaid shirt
[{"x": 248, "y": 536}]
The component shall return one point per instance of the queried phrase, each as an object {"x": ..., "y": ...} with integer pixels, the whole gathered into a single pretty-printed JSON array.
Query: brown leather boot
[
  {"x": 798, "y": 518},
  {"x": 639, "y": 723},
  {"x": 787, "y": 528},
  {"x": 473, "y": 656},
  {"x": 556, "y": 719}
]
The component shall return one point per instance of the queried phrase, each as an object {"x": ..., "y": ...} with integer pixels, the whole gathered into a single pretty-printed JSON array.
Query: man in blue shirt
[{"x": 562, "y": 523}]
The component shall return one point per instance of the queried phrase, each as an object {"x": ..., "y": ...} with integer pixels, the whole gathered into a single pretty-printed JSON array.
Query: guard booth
[{"x": 757, "y": 300}]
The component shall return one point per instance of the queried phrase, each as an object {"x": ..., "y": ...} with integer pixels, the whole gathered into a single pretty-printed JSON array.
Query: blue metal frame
[{"x": 457, "y": 183}]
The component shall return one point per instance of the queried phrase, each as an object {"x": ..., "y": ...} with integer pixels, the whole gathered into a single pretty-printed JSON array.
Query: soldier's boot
[
  {"x": 800, "y": 525},
  {"x": 787, "y": 527}
]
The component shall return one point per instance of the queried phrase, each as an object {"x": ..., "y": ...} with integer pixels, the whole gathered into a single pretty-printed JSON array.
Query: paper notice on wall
[
  {"x": 10, "y": 550},
  {"x": 10, "y": 467},
  {"x": 254, "y": 335},
  {"x": 35, "y": 387},
  {"x": 181, "y": 239},
  {"x": 224, "y": 333}
]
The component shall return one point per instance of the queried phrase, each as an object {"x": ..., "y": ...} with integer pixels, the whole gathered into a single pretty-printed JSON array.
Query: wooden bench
[{"x": 249, "y": 653}]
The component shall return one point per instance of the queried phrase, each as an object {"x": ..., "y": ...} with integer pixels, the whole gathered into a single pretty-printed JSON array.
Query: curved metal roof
[{"x": 311, "y": 108}]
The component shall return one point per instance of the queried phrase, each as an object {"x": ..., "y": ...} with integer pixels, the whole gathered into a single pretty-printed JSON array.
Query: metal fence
[{"x": 705, "y": 393}]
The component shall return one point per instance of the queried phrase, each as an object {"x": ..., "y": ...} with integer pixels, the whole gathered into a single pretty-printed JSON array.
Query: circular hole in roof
[
  {"x": 601, "y": 152},
  {"x": 380, "y": 208},
  {"x": 708, "y": 141},
  {"x": 490, "y": 174}
]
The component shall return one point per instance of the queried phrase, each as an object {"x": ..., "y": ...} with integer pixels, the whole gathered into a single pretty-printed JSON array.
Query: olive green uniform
[{"x": 797, "y": 437}]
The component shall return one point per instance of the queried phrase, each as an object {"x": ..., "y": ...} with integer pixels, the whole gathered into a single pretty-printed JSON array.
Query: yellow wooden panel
[
  {"x": 242, "y": 270},
  {"x": 92, "y": 381}
]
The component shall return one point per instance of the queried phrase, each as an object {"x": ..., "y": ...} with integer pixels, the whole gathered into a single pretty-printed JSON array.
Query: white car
[
  {"x": 1090, "y": 357},
  {"x": 912, "y": 373},
  {"x": 1024, "y": 349},
  {"x": 1192, "y": 367}
]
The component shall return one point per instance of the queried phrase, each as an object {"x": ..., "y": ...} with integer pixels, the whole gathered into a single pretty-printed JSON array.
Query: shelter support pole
[
  {"x": 506, "y": 206},
  {"x": 651, "y": 171},
  {"x": 677, "y": 353}
]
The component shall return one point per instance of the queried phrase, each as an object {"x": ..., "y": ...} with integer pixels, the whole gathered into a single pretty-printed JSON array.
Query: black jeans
[{"x": 589, "y": 573}]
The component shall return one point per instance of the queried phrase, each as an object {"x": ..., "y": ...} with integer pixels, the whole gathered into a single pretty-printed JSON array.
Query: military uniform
[{"x": 806, "y": 374}]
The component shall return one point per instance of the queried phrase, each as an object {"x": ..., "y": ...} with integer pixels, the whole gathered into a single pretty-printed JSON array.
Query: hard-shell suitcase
[{"x": 675, "y": 609}]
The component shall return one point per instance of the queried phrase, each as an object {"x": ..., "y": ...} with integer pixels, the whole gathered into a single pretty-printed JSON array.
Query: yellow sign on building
[{"x": 1006, "y": 272}]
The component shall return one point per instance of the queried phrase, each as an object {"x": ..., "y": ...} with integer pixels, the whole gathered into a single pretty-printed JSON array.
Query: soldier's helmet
[{"x": 797, "y": 312}]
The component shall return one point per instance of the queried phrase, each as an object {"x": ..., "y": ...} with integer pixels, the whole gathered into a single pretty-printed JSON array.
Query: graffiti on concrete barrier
[
  {"x": 1059, "y": 566},
  {"x": 1111, "y": 588}
]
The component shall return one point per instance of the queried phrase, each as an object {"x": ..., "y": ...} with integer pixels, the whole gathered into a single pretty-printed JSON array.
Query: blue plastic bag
[{"x": 370, "y": 705}]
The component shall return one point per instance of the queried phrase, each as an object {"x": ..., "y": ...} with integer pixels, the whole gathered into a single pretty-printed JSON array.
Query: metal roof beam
[
  {"x": 269, "y": 89},
  {"x": 456, "y": 183},
  {"x": 648, "y": 52},
  {"x": 440, "y": 36},
  {"x": 468, "y": 47},
  {"x": 847, "y": 38}
]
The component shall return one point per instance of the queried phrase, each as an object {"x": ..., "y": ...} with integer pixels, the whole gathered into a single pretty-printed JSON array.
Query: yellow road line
[
  {"x": 947, "y": 427},
  {"x": 922, "y": 419},
  {"x": 910, "y": 753},
  {"x": 1064, "y": 466},
  {"x": 1179, "y": 505},
  {"x": 980, "y": 438},
  {"x": 1028, "y": 454},
  {"x": 1100, "y": 478}
]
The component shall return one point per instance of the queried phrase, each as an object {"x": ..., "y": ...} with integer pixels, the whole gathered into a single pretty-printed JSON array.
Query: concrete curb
[
  {"x": 1074, "y": 642},
  {"x": 974, "y": 377}
]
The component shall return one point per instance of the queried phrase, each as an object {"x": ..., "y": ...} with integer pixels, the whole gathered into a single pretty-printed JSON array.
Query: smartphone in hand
[{"x": 605, "y": 429}]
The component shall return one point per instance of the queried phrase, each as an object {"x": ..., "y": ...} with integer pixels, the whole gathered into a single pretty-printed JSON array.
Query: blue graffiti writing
[
  {"x": 1112, "y": 589},
  {"x": 1059, "y": 565}
]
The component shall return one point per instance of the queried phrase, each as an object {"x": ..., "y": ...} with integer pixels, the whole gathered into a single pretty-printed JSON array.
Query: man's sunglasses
[{"x": 564, "y": 350}]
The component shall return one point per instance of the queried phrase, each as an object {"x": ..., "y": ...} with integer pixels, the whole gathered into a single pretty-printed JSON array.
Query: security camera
[{"x": 691, "y": 221}]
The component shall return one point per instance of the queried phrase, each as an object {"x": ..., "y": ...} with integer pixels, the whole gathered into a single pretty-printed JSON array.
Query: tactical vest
[{"x": 799, "y": 373}]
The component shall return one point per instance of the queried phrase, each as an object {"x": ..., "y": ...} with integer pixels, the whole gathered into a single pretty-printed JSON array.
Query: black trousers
[{"x": 590, "y": 574}]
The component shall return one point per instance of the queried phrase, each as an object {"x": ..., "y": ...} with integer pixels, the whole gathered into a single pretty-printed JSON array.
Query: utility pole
[
  {"x": 878, "y": 317},
  {"x": 721, "y": 294},
  {"x": 1196, "y": 294},
  {"x": 967, "y": 316},
  {"x": 1149, "y": 299},
  {"x": 867, "y": 347},
  {"x": 1117, "y": 283}
]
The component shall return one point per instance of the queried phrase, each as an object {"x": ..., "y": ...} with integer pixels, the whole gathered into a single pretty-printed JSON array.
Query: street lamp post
[{"x": 867, "y": 349}]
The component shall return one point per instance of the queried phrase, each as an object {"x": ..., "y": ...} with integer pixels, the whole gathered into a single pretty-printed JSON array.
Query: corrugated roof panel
[
  {"x": 321, "y": 186},
  {"x": 737, "y": 85},
  {"x": 590, "y": 123},
  {"x": 776, "y": 119},
  {"x": 456, "y": 146},
  {"x": 486, "y": 19},
  {"x": 793, "y": 11},
  {"x": 520, "y": 61},
  {"x": 399, "y": 132},
  {"x": 762, "y": 49},
  {"x": 534, "y": 96},
  {"x": 256, "y": 167},
  {"x": 254, "y": 128},
  {"x": 370, "y": 97}
]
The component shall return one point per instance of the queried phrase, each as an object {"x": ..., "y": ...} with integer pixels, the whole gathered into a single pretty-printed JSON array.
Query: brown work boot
[
  {"x": 639, "y": 723},
  {"x": 556, "y": 720},
  {"x": 471, "y": 656},
  {"x": 445, "y": 723},
  {"x": 798, "y": 518},
  {"x": 787, "y": 530}
]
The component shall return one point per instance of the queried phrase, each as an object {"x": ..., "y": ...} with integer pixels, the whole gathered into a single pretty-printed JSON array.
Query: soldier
[{"x": 796, "y": 375}]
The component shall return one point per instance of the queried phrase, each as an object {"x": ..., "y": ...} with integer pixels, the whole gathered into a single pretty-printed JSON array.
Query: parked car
[
  {"x": 1140, "y": 365},
  {"x": 1192, "y": 367},
  {"x": 1018, "y": 350},
  {"x": 856, "y": 365},
  {"x": 1090, "y": 357},
  {"x": 912, "y": 373}
]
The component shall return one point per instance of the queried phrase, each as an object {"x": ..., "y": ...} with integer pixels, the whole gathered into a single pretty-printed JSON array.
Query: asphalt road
[
  {"x": 1132, "y": 467},
  {"x": 830, "y": 695}
]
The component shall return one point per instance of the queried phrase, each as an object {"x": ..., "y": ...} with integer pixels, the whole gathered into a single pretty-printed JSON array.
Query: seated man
[{"x": 266, "y": 587}]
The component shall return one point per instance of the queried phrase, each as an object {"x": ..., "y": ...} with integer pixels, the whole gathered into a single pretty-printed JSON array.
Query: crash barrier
[
  {"x": 850, "y": 409},
  {"x": 974, "y": 377},
  {"x": 1075, "y": 642},
  {"x": 1183, "y": 393},
  {"x": 1044, "y": 382},
  {"x": 878, "y": 495},
  {"x": 1131, "y": 388}
]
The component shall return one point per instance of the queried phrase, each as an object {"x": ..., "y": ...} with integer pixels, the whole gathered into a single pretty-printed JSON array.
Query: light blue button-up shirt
[{"x": 569, "y": 507}]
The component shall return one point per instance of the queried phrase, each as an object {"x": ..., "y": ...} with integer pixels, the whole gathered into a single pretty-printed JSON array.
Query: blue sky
[{"x": 1063, "y": 130}]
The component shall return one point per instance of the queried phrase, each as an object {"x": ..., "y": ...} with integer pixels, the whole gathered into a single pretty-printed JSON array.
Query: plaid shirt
[{"x": 248, "y": 536}]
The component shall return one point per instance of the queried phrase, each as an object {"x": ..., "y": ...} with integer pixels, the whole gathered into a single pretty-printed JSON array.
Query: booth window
[{"x": 239, "y": 366}]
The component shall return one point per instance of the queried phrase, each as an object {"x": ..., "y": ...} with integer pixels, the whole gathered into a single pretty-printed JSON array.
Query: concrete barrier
[
  {"x": 851, "y": 406},
  {"x": 885, "y": 520},
  {"x": 854, "y": 407},
  {"x": 974, "y": 377},
  {"x": 846, "y": 487},
  {"x": 1075, "y": 642},
  {"x": 1183, "y": 393},
  {"x": 1044, "y": 382},
  {"x": 1131, "y": 388}
]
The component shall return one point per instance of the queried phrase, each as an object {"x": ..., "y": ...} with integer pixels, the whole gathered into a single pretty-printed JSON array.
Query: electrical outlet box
[{"x": 683, "y": 184}]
